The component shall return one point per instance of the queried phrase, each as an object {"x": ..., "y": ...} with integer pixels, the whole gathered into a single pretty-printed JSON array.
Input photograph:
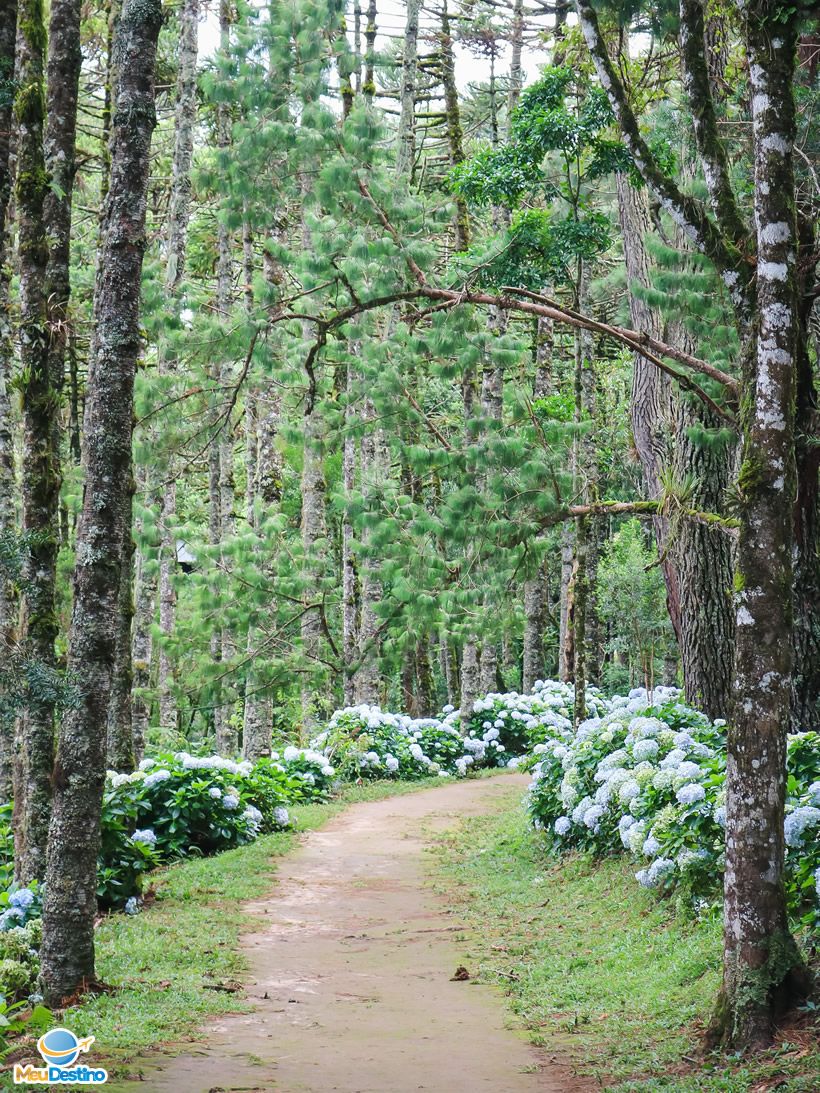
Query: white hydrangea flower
[
  {"x": 691, "y": 793},
  {"x": 144, "y": 835},
  {"x": 156, "y": 777},
  {"x": 645, "y": 749},
  {"x": 629, "y": 790}
]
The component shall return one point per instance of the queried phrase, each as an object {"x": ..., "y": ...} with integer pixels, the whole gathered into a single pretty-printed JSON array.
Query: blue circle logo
[{"x": 61, "y": 1047}]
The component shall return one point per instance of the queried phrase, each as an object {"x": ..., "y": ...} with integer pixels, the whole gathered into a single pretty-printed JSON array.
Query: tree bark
[
  {"x": 455, "y": 134},
  {"x": 41, "y": 458},
  {"x": 406, "y": 137},
  {"x": 9, "y": 604},
  {"x": 696, "y": 566},
  {"x": 314, "y": 530},
  {"x": 469, "y": 681},
  {"x": 120, "y": 748},
  {"x": 70, "y": 903},
  {"x": 761, "y": 964},
  {"x": 350, "y": 624},
  {"x": 176, "y": 244},
  {"x": 536, "y": 588},
  {"x": 535, "y": 618},
  {"x": 367, "y": 679},
  {"x": 265, "y": 492},
  {"x": 144, "y": 612}
]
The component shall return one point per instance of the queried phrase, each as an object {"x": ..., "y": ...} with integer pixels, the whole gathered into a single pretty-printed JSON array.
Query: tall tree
[
  {"x": 176, "y": 243},
  {"x": 762, "y": 969},
  {"x": 8, "y": 507},
  {"x": 67, "y": 957},
  {"x": 41, "y": 456}
]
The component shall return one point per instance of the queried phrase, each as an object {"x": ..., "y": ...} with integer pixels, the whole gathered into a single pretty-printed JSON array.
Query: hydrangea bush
[
  {"x": 367, "y": 742},
  {"x": 648, "y": 777},
  {"x": 19, "y": 957},
  {"x": 176, "y": 805}
]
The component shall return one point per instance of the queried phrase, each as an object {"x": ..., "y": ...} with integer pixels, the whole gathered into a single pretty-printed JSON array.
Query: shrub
[
  {"x": 649, "y": 777},
  {"x": 365, "y": 742},
  {"x": 19, "y": 959}
]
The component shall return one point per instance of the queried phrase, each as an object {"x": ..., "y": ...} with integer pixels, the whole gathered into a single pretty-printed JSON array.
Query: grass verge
[
  {"x": 594, "y": 965},
  {"x": 170, "y": 964}
]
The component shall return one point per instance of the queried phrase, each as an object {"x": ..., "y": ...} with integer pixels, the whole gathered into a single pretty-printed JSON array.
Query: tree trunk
[
  {"x": 63, "y": 83},
  {"x": 426, "y": 697},
  {"x": 121, "y": 752},
  {"x": 697, "y": 567},
  {"x": 142, "y": 643},
  {"x": 350, "y": 627},
  {"x": 369, "y": 85},
  {"x": 566, "y": 644},
  {"x": 469, "y": 681},
  {"x": 168, "y": 715},
  {"x": 455, "y": 135},
  {"x": 313, "y": 526},
  {"x": 225, "y": 731},
  {"x": 265, "y": 491},
  {"x": 406, "y": 137},
  {"x": 41, "y": 457},
  {"x": 488, "y": 668},
  {"x": 367, "y": 680},
  {"x": 176, "y": 244},
  {"x": 761, "y": 965},
  {"x": 535, "y": 616},
  {"x": 70, "y": 902},
  {"x": 449, "y": 668},
  {"x": 8, "y": 514}
]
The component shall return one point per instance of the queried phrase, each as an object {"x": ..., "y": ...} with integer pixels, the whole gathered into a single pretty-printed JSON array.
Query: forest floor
[{"x": 354, "y": 973}]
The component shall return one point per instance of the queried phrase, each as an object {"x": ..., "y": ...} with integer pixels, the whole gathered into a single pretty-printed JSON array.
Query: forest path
[{"x": 352, "y": 966}]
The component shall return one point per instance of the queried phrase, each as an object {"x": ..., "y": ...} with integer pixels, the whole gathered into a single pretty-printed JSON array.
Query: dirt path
[{"x": 352, "y": 970}]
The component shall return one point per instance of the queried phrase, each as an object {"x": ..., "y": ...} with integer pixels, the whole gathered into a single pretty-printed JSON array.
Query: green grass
[
  {"x": 598, "y": 968},
  {"x": 163, "y": 962}
]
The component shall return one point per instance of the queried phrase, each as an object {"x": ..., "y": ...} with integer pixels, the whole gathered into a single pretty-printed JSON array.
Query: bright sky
[{"x": 390, "y": 21}]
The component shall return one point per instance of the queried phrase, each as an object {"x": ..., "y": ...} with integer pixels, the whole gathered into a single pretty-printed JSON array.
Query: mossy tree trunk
[
  {"x": 41, "y": 458},
  {"x": 70, "y": 904},
  {"x": 8, "y": 510}
]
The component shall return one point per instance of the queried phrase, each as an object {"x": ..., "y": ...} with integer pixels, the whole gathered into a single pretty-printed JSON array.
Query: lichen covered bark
[
  {"x": 40, "y": 464},
  {"x": 761, "y": 966},
  {"x": 8, "y": 514}
]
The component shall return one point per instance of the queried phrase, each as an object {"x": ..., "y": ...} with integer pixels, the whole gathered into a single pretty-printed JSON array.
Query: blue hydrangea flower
[
  {"x": 230, "y": 801},
  {"x": 22, "y": 898},
  {"x": 798, "y": 821},
  {"x": 562, "y": 825}
]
